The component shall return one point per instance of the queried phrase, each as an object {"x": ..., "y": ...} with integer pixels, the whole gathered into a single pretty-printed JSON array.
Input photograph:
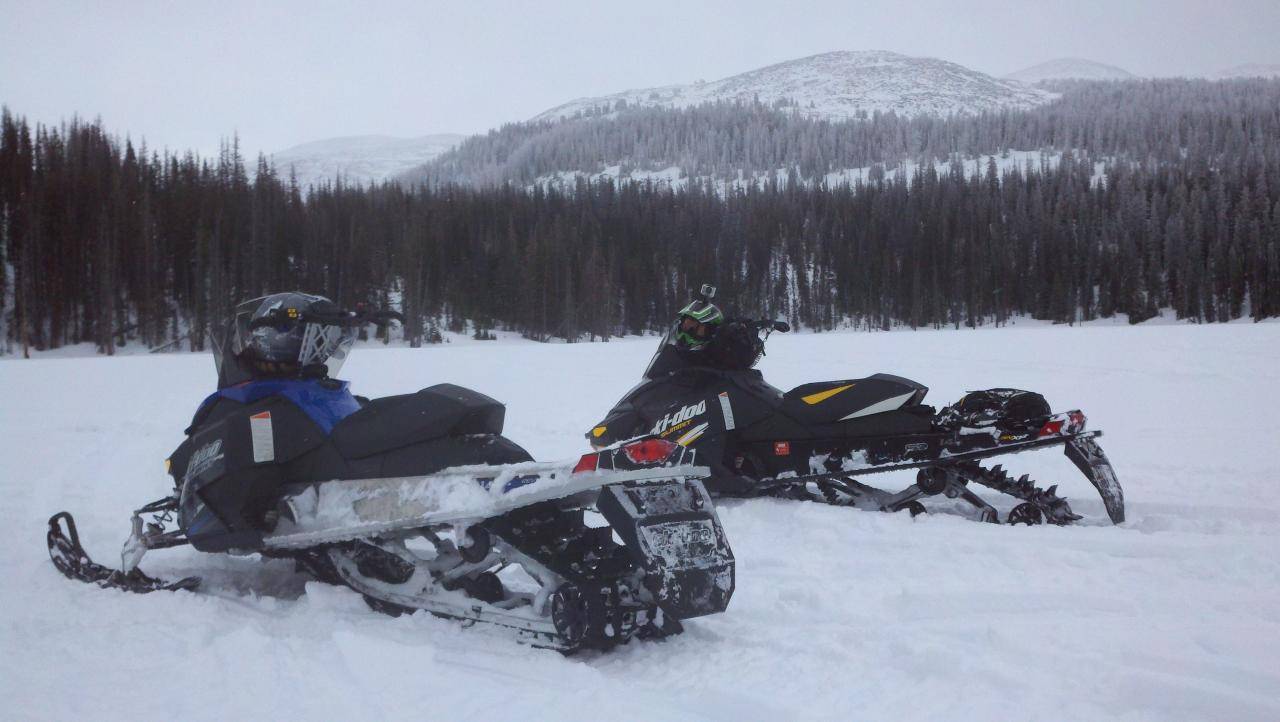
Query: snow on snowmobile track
[{"x": 838, "y": 613}]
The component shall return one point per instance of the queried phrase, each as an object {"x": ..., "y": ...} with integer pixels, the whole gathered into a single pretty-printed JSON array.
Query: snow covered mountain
[
  {"x": 1070, "y": 69},
  {"x": 838, "y": 85},
  {"x": 1248, "y": 70},
  {"x": 360, "y": 159}
]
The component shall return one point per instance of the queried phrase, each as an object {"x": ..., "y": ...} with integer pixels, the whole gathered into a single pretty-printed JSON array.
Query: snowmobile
[
  {"x": 418, "y": 502},
  {"x": 815, "y": 441}
]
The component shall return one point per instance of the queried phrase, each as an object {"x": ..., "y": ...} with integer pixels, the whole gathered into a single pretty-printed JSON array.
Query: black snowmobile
[
  {"x": 814, "y": 441},
  {"x": 297, "y": 467}
]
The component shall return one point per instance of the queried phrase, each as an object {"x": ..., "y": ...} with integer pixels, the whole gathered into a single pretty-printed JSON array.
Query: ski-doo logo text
[
  {"x": 679, "y": 417},
  {"x": 203, "y": 458}
]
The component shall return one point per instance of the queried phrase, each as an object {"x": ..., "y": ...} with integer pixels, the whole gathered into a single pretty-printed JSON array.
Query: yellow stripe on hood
[{"x": 819, "y": 397}]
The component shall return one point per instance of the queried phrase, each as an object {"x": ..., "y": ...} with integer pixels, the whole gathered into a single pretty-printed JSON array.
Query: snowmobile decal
[
  {"x": 204, "y": 459},
  {"x": 889, "y": 404},
  {"x": 264, "y": 444},
  {"x": 679, "y": 417},
  {"x": 511, "y": 484},
  {"x": 726, "y": 408},
  {"x": 819, "y": 397},
  {"x": 692, "y": 435}
]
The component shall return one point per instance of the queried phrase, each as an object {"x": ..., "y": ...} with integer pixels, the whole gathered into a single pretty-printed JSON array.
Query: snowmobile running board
[
  {"x": 1081, "y": 449},
  {"x": 343, "y": 510}
]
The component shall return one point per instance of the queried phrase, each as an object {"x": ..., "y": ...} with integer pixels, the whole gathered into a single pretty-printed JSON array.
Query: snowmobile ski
[{"x": 71, "y": 559}]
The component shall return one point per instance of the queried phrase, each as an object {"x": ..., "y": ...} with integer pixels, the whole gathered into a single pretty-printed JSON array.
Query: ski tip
[
  {"x": 185, "y": 584},
  {"x": 61, "y": 517}
]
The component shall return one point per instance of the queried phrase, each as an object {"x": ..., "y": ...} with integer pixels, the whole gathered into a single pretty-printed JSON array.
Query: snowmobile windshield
[
  {"x": 670, "y": 356},
  {"x": 668, "y": 342}
]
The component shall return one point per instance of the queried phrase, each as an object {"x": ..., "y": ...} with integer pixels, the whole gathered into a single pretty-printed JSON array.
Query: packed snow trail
[{"x": 838, "y": 613}]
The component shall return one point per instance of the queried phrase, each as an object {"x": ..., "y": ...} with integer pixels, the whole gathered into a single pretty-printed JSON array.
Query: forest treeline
[
  {"x": 1168, "y": 119},
  {"x": 109, "y": 243}
]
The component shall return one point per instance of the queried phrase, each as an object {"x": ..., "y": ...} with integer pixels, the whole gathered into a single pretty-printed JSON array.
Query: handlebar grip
[{"x": 766, "y": 324}]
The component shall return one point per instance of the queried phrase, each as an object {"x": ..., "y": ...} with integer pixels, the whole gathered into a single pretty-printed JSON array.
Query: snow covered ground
[
  {"x": 838, "y": 613},
  {"x": 674, "y": 177}
]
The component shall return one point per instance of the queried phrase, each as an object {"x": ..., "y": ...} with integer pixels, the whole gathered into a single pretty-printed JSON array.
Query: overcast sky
[{"x": 184, "y": 75}]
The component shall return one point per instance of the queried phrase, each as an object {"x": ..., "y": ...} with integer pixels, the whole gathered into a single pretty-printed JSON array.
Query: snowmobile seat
[
  {"x": 393, "y": 422},
  {"x": 833, "y": 402}
]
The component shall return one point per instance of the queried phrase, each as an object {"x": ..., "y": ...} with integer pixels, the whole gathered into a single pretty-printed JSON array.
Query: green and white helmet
[{"x": 697, "y": 324}]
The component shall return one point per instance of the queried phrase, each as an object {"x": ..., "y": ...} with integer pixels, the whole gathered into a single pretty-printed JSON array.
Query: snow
[
  {"x": 1248, "y": 70},
  {"x": 838, "y": 613},
  {"x": 674, "y": 177},
  {"x": 362, "y": 159},
  {"x": 1070, "y": 69},
  {"x": 839, "y": 85}
]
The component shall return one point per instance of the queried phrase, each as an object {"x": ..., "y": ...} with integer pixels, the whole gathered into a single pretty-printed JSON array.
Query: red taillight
[
  {"x": 1077, "y": 420},
  {"x": 1051, "y": 427},
  {"x": 649, "y": 451},
  {"x": 588, "y": 462}
]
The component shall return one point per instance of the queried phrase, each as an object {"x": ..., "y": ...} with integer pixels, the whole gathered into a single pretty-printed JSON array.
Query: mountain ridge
[
  {"x": 362, "y": 159},
  {"x": 835, "y": 85},
  {"x": 1070, "y": 69},
  {"x": 1249, "y": 70}
]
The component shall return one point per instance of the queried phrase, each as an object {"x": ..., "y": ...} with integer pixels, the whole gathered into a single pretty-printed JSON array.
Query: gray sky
[{"x": 183, "y": 75}]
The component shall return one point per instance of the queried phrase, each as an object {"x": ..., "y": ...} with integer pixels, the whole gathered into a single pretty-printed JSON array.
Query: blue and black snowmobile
[
  {"x": 816, "y": 440},
  {"x": 418, "y": 501}
]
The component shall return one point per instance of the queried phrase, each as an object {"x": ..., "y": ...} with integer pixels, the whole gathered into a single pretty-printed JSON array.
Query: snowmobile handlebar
[
  {"x": 770, "y": 325},
  {"x": 332, "y": 316}
]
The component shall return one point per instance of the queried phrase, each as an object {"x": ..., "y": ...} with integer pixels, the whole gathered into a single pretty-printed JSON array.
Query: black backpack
[
  {"x": 1007, "y": 408},
  {"x": 736, "y": 347}
]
